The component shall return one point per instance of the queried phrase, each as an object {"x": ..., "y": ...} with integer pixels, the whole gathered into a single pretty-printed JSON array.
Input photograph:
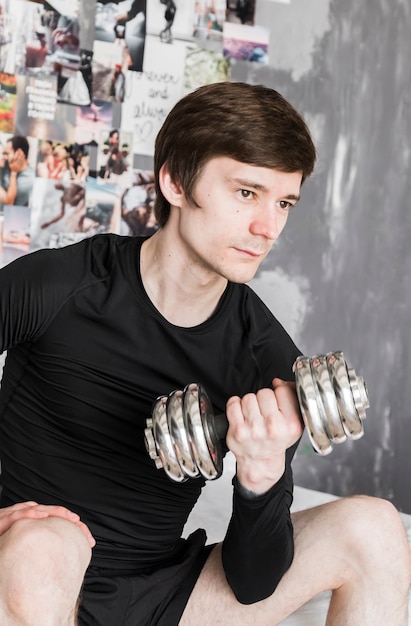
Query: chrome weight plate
[
  {"x": 180, "y": 435},
  {"x": 332, "y": 399},
  {"x": 198, "y": 416},
  {"x": 159, "y": 442}
]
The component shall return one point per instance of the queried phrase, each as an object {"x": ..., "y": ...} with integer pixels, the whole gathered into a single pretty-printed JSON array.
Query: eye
[
  {"x": 285, "y": 205},
  {"x": 246, "y": 194}
]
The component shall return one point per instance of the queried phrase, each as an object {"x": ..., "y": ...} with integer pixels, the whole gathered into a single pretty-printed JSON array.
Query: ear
[{"x": 171, "y": 191}]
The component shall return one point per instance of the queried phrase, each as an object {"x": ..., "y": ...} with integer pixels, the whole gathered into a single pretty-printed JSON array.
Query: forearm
[{"x": 258, "y": 547}]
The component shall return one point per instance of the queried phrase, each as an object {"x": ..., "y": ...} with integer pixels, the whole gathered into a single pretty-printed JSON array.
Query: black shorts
[{"x": 158, "y": 599}]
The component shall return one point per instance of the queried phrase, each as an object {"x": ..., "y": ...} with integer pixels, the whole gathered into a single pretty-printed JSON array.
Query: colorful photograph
[
  {"x": 246, "y": 43},
  {"x": 209, "y": 18},
  {"x": 8, "y": 96},
  {"x": 16, "y": 232},
  {"x": 137, "y": 205}
]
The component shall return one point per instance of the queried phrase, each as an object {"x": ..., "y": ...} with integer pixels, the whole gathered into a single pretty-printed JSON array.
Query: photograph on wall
[
  {"x": 208, "y": 23},
  {"x": 109, "y": 72},
  {"x": 246, "y": 43},
  {"x": 22, "y": 36},
  {"x": 18, "y": 154},
  {"x": 37, "y": 112},
  {"x": 204, "y": 67},
  {"x": 102, "y": 208},
  {"x": 75, "y": 84},
  {"x": 41, "y": 39},
  {"x": 151, "y": 94},
  {"x": 123, "y": 25},
  {"x": 170, "y": 21},
  {"x": 15, "y": 232},
  {"x": 92, "y": 120},
  {"x": 70, "y": 208},
  {"x": 8, "y": 96},
  {"x": 61, "y": 161},
  {"x": 114, "y": 158},
  {"x": 241, "y": 11},
  {"x": 137, "y": 205}
]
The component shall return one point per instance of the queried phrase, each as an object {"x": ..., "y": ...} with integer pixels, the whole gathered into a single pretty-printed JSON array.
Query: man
[
  {"x": 96, "y": 331},
  {"x": 19, "y": 178}
]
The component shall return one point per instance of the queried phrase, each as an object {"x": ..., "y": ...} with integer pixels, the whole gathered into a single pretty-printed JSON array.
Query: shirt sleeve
[
  {"x": 35, "y": 286},
  {"x": 259, "y": 546}
]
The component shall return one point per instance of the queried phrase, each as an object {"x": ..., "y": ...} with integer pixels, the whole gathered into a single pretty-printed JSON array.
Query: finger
[
  {"x": 279, "y": 382},
  {"x": 84, "y": 528},
  {"x": 6, "y": 521},
  {"x": 58, "y": 511},
  {"x": 20, "y": 506}
]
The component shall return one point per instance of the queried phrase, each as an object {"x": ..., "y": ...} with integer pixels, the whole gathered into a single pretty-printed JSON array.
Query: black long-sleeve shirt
[{"x": 87, "y": 355}]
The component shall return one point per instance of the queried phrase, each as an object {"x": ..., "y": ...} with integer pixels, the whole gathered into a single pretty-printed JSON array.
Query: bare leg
[
  {"x": 356, "y": 547},
  {"x": 42, "y": 565}
]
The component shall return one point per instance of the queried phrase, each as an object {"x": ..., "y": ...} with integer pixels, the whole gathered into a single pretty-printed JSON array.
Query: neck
[{"x": 183, "y": 293}]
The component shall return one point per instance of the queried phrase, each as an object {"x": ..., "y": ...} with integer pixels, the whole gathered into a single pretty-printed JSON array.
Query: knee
[
  {"x": 373, "y": 529},
  {"x": 52, "y": 545},
  {"x": 43, "y": 563}
]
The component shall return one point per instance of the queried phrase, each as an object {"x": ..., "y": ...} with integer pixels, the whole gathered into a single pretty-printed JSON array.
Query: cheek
[{"x": 283, "y": 221}]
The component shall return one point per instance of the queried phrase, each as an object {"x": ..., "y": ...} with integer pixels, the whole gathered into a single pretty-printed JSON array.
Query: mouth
[{"x": 252, "y": 254}]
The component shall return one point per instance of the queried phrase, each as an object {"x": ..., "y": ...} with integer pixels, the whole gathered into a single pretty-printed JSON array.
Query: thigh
[{"x": 319, "y": 564}]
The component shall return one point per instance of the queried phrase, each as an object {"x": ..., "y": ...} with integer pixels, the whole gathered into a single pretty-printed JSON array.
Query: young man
[
  {"x": 96, "y": 331},
  {"x": 19, "y": 178}
]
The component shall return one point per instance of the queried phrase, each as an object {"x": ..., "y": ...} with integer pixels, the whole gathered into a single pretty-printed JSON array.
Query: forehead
[{"x": 264, "y": 178}]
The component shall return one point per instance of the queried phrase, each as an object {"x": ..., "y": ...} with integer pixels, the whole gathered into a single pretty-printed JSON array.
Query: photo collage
[{"x": 84, "y": 89}]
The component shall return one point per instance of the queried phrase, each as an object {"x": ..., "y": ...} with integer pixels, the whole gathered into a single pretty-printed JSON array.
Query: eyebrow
[{"x": 260, "y": 187}]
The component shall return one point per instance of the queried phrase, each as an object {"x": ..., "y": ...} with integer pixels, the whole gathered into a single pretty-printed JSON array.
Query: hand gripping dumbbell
[{"x": 184, "y": 437}]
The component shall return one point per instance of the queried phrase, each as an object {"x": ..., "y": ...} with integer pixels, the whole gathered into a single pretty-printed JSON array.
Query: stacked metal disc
[{"x": 332, "y": 399}]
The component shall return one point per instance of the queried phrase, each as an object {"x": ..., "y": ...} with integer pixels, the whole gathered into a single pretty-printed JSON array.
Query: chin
[{"x": 241, "y": 278}]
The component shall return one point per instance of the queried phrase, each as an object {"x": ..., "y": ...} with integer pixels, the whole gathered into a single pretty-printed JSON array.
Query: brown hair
[{"x": 249, "y": 123}]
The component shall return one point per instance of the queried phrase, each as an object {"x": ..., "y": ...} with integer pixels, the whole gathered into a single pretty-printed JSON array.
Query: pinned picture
[
  {"x": 18, "y": 156},
  {"x": 70, "y": 207},
  {"x": 246, "y": 43},
  {"x": 61, "y": 161},
  {"x": 170, "y": 21},
  {"x": 208, "y": 23},
  {"x": 204, "y": 67},
  {"x": 8, "y": 96},
  {"x": 92, "y": 120},
  {"x": 23, "y": 41},
  {"x": 113, "y": 158},
  {"x": 123, "y": 25},
  {"x": 16, "y": 232},
  {"x": 109, "y": 72},
  {"x": 137, "y": 205},
  {"x": 37, "y": 112},
  {"x": 241, "y": 11}
]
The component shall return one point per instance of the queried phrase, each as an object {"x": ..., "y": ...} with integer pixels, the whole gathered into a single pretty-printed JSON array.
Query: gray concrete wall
[{"x": 339, "y": 277}]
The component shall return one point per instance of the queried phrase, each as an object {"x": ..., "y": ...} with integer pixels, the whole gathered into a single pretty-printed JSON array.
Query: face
[{"x": 242, "y": 211}]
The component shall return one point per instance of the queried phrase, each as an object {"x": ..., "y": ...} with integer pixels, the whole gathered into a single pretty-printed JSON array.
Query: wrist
[{"x": 257, "y": 477}]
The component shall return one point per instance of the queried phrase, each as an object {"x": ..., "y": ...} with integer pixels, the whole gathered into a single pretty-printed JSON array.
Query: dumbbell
[{"x": 185, "y": 438}]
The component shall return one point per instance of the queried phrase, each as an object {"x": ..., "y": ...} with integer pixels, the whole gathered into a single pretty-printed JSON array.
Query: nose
[{"x": 268, "y": 223}]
